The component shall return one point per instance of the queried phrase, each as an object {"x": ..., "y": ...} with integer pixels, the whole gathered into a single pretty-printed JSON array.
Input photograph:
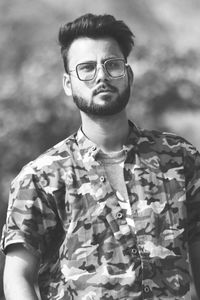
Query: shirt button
[
  {"x": 102, "y": 179},
  {"x": 119, "y": 215},
  {"x": 134, "y": 251},
  {"x": 94, "y": 148},
  {"x": 146, "y": 289},
  {"x": 144, "y": 251}
]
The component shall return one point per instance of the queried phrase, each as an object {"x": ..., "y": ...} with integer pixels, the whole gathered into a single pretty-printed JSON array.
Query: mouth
[
  {"x": 103, "y": 92},
  {"x": 103, "y": 89}
]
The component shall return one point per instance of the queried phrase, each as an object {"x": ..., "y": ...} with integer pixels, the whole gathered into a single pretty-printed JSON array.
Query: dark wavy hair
[{"x": 95, "y": 26}]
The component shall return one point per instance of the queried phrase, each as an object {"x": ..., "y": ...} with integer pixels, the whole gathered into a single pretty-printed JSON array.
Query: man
[{"x": 113, "y": 211}]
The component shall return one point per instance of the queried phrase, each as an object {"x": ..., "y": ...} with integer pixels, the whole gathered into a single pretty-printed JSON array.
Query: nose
[{"x": 101, "y": 73}]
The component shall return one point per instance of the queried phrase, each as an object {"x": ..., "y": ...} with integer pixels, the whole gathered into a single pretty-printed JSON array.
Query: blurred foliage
[{"x": 34, "y": 112}]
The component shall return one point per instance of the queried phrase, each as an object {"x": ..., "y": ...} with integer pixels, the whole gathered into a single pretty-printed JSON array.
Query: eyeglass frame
[{"x": 96, "y": 69}]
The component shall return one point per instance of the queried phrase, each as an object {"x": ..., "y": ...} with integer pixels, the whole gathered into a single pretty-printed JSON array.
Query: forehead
[{"x": 86, "y": 49}]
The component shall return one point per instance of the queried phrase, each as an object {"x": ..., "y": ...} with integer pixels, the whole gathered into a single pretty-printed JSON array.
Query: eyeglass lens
[{"x": 114, "y": 67}]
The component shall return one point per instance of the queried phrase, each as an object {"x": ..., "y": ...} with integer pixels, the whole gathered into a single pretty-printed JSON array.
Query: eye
[
  {"x": 86, "y": 67},
  {"x": 114, "y": 64}
]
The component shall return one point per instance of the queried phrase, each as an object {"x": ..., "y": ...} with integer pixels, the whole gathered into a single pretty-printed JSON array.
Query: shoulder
[
  {"x": 173, "y": 154},
  {"x": 169, "y": 150},
  {"x": 166, "y": 142},
  {"x": 49, "y": 164}
]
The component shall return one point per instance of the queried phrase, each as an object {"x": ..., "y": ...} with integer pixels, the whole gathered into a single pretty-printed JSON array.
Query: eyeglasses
[{"x": 114, "y": 67}]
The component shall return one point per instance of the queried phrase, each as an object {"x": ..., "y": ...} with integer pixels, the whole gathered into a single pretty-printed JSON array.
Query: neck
[{"x": 109, "y": 132}]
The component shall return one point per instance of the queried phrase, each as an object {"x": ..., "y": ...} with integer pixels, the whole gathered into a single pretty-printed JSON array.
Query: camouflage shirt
[{"x": 92, "y": 243}]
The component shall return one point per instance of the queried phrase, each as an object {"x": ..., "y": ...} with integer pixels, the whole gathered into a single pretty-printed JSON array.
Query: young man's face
[{"x": 102, "y": 95}]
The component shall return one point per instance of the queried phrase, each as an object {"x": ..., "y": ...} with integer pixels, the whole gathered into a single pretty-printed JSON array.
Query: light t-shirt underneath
[{"x": 113, "y": 163}]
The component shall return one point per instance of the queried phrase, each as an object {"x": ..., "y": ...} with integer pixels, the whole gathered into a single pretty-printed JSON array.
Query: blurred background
[{"x": 34, "y": 111}]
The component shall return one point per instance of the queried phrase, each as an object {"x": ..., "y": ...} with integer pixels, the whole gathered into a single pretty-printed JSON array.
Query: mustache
[{"x": 104, "y": 87}]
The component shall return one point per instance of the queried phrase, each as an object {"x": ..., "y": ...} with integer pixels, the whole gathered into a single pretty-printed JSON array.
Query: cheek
[
  {"x": 122, "y": 85},
  {"x": 82, "y": 89},
  {"x": 89, "y": 84}
]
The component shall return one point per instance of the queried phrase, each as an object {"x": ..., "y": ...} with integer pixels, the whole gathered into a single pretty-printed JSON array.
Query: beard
[{"x": 110, "y": 108}]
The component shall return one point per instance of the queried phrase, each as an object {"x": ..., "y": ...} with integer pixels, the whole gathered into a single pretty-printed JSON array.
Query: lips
[{"x": 103, "y": 89}]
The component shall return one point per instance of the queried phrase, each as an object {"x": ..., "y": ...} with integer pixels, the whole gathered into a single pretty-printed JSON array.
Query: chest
[{"x": 155, "y": 211}]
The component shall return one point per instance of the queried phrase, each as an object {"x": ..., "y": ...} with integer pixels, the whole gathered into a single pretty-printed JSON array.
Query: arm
[
  {"x": 20, "y": 274},
  {"x": 194, "y": 251},
  {"x": 192, "y": 172}
]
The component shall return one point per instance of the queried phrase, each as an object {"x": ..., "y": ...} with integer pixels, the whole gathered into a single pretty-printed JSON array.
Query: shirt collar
[
  {"x": 87, "y": 147},
  {"x": 133, "y": 137}
]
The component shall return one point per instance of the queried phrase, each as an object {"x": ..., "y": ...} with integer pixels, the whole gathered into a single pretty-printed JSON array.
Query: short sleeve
[
  {"x": 31, "y": 220},
  {"x": 192, "y": 170}
]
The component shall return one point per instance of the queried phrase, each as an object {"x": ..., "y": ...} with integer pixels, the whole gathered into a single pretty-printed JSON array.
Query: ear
[
  {"x": 67, "y": 84},
  {"x": 130, "y": 74}
]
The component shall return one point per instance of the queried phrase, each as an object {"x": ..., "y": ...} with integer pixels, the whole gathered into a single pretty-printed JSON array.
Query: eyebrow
[
  {"x": 87, "y": 62},
  {"x": 94, "y": 61}
]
